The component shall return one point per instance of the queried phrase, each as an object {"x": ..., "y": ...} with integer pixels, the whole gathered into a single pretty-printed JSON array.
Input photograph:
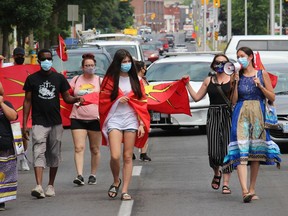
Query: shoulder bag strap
[{"x": 228, "y": 102}]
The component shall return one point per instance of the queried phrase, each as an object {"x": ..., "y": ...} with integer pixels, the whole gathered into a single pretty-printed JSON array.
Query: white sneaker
[
  {"x": 38, "y": 192},
  {"x": 50, "y": 191},
  {"x": 24, "y": 165}
]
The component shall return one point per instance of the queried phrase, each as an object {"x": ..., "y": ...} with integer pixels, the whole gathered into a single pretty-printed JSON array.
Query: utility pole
[
  {"x": 272, "y": 17},
  {"x": 229, "y": 20},
  {"x": 204, "y": 25},
  {"x": 280, "y": 14},
  {"x": 145, "y": 11},
  {"x": 245, "y": 17}
]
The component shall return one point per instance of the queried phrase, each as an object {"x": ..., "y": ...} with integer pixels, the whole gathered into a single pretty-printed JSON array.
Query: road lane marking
[
  {"x": 136, "y": 170},
  {"x": 125, "y": 208}
]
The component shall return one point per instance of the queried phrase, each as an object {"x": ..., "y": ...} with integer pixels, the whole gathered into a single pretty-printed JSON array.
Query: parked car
[
  {"x": 171, "y": 69},
  {"x": 133, "y": 47},
  {"x": 280, "y": 136},
  {"x": 180, "y": 48},
  {"x": 73, "y": 65},
  {"x": 272, "y": 48},
  {"x": 150, "y": 51}
]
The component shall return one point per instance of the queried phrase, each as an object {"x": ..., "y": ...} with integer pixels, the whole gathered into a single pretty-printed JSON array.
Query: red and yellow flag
[
  {"x": 170, "y": 98},
  {"x": 259, "y": 66},
  {"x": 61, "y": 49}
]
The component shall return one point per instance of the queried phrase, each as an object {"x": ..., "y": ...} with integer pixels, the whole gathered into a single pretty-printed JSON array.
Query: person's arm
[
  {"x": 9, "y": 112},
  {"x": 268, "y": 89},
  {"x": 197, "y": 96},
  {"x": 71, "y": 99},
  {"x": 234, "y": 87},
  {"x": 26, "y": 111}
]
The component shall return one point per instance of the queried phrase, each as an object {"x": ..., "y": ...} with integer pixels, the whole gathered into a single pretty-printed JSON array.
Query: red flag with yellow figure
[
  {"x": 61, "y": 49},
  {"x": 170, "y": 98}
]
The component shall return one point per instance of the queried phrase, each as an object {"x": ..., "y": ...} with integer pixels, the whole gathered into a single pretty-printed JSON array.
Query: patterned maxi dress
[{"x": 249, "y": 140}]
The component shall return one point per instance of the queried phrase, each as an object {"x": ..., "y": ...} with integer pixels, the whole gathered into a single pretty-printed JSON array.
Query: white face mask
[{"x": 89, "y": 70}]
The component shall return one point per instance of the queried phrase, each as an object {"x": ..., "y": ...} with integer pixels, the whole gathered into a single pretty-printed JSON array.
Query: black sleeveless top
[{"x": 214, "y": 95}]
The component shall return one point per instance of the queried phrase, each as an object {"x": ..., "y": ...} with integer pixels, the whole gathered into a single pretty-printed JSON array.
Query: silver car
[
  {"x": 174, "y": 68},
  {"x": 280, "y": 136}
]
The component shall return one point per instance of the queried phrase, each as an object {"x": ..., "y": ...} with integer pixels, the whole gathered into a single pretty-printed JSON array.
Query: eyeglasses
[
  {"x": 89, "y": 65},
  {"x": 220, "y": 62},
  {"x": 44, "y": 59}
]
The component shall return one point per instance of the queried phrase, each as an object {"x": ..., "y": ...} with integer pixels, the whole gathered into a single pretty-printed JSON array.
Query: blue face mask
[
  {"x": 219, "y": 68},
  {"x": 46, "y": 65},
  {"x": 243, "y": 61},
  {"x": 125, "y": 67}
]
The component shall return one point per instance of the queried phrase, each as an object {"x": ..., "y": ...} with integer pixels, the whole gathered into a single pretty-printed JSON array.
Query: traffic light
[
  {"x": 216, "y": 35},
  {"x": 216, "y": 3},
  {"x": 153, "y": 15}
]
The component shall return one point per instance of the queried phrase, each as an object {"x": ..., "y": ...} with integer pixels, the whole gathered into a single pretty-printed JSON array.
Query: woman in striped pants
[{"x": 218, "y": 119}]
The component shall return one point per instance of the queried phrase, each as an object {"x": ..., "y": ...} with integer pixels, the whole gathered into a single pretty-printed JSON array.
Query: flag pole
[{"x": 61, "y": 54}]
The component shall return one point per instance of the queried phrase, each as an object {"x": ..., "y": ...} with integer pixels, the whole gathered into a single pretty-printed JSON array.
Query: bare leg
[
  {"x": 52, "y": 175},
  {"x": 144, "y": 149},
  {"x": 79, "y": 138},
  {"x": 115, "y": 140},
  {"x": 242, "y": 176},
  {"x": 94, "y": 140},
  {"x": 38, "y": 171},
  {"x": 129, "y": 141},
  {"x": 254, "y": 168}
]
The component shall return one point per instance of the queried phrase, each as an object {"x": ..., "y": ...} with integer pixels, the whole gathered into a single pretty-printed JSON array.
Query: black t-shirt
[
  {"x": 6, "y": 136},
  {"x": 45, "y": 90}
]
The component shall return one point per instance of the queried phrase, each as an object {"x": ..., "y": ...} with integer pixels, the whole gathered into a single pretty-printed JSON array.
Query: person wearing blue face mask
[
  {"x": 42, "y": 90},
  {"x": 124, "y": 118},
  {"x": 250, "y": 142},
  {"x": 218, "y": 120}
]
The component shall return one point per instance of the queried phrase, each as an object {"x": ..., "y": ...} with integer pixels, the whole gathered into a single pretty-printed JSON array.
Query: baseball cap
[{"x": 18, "y": 50}]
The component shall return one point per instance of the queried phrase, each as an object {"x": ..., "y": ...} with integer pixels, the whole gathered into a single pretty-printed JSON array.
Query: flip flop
[
  {"x": 214, "y": 181},
  {"x": 255, "y": 197},
  {"x": 113, "y": 190},
  {"x": 247, "y": 198}
]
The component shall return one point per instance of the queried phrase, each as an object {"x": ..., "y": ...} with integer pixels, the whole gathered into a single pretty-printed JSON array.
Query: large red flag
[
  {"x": 259, "y": 66},
  {"x": 170, "y": 98},
  {"x": 13, "y": 79},
  {"x": 61, "y": 49}
]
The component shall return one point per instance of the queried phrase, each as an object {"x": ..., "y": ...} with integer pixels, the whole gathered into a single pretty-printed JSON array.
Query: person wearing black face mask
[
  {"x": 19, "y": 56},
  {"x": 218, "y": 119}
]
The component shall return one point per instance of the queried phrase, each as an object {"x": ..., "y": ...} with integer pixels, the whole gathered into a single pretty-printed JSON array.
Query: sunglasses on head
[{"x": 44, "y": 59}]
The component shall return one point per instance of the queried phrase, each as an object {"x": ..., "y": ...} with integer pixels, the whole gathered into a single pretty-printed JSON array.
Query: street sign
[{"x": 73, "y": 12}]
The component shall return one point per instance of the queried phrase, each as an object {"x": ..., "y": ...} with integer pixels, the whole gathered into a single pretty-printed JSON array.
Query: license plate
[
  {"x": 156, "y": 116},
  {"x": 285, "y": 128}
]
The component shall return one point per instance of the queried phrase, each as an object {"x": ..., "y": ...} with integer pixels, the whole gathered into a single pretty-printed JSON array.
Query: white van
[{"x": 272, "y": 48}]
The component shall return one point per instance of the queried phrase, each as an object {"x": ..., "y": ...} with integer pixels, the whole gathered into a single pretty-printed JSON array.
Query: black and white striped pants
[{"x": 218, "y": 134}]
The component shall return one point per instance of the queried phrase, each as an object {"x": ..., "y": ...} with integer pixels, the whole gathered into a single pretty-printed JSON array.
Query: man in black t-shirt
[{"x": 42, "y": 91}]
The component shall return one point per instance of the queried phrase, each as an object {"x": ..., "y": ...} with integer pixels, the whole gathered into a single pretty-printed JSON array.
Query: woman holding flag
[
  {"x": 124, "y": 118},
  {"x": 85, "y": 119}
]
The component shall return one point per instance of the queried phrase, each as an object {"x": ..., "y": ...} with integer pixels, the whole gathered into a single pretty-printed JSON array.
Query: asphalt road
[{"x": 176, "y": 182}]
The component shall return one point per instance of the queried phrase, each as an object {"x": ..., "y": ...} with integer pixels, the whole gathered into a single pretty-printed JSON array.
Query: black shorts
[{"x": 92, "y": 125}]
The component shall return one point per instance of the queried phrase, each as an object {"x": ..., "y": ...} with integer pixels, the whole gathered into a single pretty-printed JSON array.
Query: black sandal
[
  {"x": 226, "y": 189},
  {"x": 114, "y": 190},
  {"x": 214, "y": 181}
]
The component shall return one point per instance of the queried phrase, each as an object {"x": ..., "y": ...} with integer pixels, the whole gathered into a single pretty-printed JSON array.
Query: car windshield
[
  {"x": 148, "y": 46},
  {"x": 112, "y": 49},
  {"x": 280, "y": 70},
  {"x": 73, "y": 65},
  {"x": 172, "y": 71}
]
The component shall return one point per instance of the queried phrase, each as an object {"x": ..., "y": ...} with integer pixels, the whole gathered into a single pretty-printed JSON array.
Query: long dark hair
[
  {"x": 248, "y": 52},
  {"x": 114, "y": 72}
]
